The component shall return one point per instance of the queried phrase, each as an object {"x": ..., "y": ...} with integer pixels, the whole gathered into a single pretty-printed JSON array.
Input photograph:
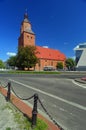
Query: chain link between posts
[
  {"x": 3, "y": 86},
  {"x": 21, "y": 97},
  {"x": 49, "y": 115}
]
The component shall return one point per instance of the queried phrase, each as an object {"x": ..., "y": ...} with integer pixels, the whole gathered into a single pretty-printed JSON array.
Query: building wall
[
  {"x": 26, "y": 39},
  {"x": 80, "y": 54},
  {"x": 29, "y": 39},
  {"x": 47, "y": 62},
  {"x": 20, "y": 40}
]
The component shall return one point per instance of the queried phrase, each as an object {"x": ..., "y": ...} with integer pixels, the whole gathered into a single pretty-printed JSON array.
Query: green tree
[
  {"x": 12, "y": 61},
  {"x": 70, "y": 64},
  {"x": 26, "y": 57},
  {"x": 59, "y": 65},
  {"x": 2, "y": 64}
]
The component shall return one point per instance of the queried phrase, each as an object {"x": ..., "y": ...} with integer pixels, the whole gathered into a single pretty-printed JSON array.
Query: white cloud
[
  {"x": 45, "y": 46},
  {"x": 11, "y": 54},
  {"x": 73, "y": 57}
]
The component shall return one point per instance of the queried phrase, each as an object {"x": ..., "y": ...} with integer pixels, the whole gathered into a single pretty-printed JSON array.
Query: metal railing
[{"x": 34, "y": 110}]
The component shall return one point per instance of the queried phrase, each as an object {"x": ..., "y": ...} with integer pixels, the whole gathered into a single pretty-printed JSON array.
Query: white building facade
[{"x": 80, "y": 57}]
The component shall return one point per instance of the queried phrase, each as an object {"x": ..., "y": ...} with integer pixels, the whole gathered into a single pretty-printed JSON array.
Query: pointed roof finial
[
  {"x": 26, "y": 14},
  {"x": 26, "y": 10},
  {"x": 26, "y": 17}
]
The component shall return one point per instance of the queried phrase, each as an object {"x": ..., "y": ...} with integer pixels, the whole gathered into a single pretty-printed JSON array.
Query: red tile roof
[{"x": 51, "y": 54}]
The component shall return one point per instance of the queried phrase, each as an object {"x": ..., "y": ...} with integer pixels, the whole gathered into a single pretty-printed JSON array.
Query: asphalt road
[{"x": 64, "y": 99}]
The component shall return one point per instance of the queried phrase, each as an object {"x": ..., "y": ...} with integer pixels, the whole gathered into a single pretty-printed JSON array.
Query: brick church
[{"x": 47, "y": 56}]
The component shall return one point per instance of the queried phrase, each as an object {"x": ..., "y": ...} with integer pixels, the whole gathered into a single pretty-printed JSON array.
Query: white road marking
[
  {"x": 80, "y": 85},
  {"x": 53, "y": 96},
  {"x": 62, "y": 109}
]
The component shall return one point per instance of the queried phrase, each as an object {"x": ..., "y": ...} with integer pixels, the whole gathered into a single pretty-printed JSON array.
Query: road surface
[{"x": 63, "y": 98}]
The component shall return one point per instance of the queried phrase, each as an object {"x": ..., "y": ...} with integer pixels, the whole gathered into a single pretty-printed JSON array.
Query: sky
[{"x": 58, "y": 24}]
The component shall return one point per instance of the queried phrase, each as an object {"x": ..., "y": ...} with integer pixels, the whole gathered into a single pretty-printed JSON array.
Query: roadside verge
[{"x": 27, "y": 110}]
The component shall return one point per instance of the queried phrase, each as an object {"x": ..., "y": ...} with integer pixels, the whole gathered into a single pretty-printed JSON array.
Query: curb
[
  {"x": 80, "y": 81},
  {"x": 27, "y": 110}
]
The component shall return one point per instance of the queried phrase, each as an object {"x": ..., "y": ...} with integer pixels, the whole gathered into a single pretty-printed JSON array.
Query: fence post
[
  {"x": 34, "y": 111},
  {"x": 8, "y": 92}
]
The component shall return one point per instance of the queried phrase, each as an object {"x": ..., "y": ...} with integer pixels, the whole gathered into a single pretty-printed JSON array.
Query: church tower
[{"x": 27, "y": 36}]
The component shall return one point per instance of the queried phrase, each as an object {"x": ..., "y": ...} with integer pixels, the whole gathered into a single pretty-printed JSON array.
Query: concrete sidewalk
[
  {"x": 7, "y": 119},
  {"x": 24, "y": 108}
]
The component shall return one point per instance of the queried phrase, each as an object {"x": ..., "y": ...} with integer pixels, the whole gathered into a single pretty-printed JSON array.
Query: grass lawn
[{"x": 30, "y": 72}]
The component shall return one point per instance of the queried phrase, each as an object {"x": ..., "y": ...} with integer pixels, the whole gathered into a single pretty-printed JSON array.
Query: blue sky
[{"x": 58, "y": 24}]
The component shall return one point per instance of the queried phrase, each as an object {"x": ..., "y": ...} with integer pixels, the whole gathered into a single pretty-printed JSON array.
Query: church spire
[
  {"x": 27, "y": 36},
  {"x": 26, "y": 17},
  {"x": 26, "y": 14}
]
